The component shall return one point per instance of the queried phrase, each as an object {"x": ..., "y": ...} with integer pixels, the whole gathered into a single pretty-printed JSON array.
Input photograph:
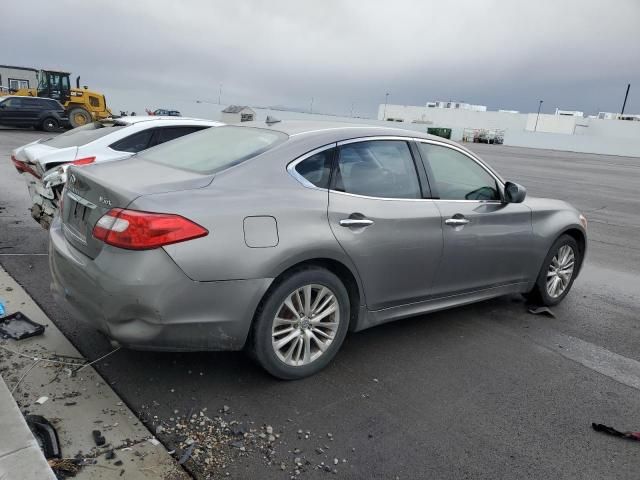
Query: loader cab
[{"x": 54, "y": 85}]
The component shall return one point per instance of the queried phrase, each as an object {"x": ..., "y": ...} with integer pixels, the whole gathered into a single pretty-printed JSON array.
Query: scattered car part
[
  {"x": 534, "y": 310},
  {"x": 598, "y": 427},
  {"x": 45, "y": 434},
  {"x": 18, "y": 326}
]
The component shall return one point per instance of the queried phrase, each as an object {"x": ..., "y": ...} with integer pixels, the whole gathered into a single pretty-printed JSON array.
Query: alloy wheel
[
  {"x": 305, "y": 325},
  {"x": 560, "y": 271}
]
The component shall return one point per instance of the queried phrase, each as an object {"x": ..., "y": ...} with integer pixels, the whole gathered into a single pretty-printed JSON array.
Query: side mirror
[{"x": 514, "y": 193}]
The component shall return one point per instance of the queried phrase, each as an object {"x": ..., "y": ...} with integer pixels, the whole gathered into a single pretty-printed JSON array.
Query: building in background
[
  {"x": 237, "y": 114},
  {"x": 569, "y": 113},
  {"x": 14, "y": 78},
  {"x": 457, "y": 105}
]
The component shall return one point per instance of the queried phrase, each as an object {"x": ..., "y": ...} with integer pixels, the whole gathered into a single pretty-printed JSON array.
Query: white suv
[{"x": 44, "y": 162}]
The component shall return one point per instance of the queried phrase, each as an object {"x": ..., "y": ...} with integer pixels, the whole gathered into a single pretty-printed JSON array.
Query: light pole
[
  {"x": 384, "y": 113},
  {"x": 311, "y": 106},
  {"x": 538, "y": 116},
  {"x": 624, "y": 104},
  {"x": 220, "y": 94}
]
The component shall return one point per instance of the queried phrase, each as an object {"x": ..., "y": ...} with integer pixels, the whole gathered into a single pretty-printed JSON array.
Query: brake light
[
  {"x": 135, "y": 230},
  {"x": 23, "y": 167},
  {"x": 84, "y": 161}
]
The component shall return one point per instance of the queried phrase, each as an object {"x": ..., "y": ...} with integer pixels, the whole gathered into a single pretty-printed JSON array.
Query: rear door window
[
  {"x": 377, "y": 168},
  {"x": 134, "y": 143},
  {"x": 215, "y": 149}
]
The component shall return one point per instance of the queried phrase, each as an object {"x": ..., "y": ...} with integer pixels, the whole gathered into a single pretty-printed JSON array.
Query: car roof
[
  {"x": 156, "y": 119},
  {"x": 334, "y": 131}
]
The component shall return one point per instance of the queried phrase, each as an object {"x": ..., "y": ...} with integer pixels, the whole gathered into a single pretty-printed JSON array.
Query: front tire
[
  {"x": 558, "y": 272},
  {"x": 50, "y": 124},
  {"x": 301, "y": 324},
  {"x": 79, "y": 116}
]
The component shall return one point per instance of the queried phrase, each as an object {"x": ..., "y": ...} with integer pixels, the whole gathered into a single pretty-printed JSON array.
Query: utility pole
[
  {"x": 220, "y": 94},
  {"x": 384, "y": 113},
  {"x": 311, "y": 106},
  {"x": 538, "y": 116},
  {"x": 624, "y": 104},
  {"x": 352, "y": 105}
]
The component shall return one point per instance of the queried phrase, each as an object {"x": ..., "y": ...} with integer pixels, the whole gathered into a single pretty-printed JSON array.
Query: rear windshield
[
  {"x": 83, "y": 135},
  {"x": 214, "y": 149}
]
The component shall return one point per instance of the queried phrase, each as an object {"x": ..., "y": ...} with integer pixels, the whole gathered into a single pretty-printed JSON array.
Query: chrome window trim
[
  {"x": 291, "y": 167},
  {"x": 292, "y": 171},
  {"x": 81, "y": 200},
  {"x": 382, "y": 198}
]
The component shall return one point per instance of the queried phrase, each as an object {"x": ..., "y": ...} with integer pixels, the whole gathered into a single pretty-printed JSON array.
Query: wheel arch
[
  {"x": 581, "y": 239},
  {"x": 345, "y": 273}
]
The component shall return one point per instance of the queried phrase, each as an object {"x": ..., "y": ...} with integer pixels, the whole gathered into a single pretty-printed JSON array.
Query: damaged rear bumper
[
  {"x": 143, "y": 300},
  {"x": 44, "y": 201}
]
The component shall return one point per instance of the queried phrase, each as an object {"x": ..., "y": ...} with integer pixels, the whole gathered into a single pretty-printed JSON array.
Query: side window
[
  {"x": 53, "y": 105},
  {"x": 378, "y": 168},
  {"x": 133, "y": 143},
  {"x": 458, "y": 177},
  {"x": 317, "y": 168},
  {"x": 13, "y": 102},
  {"x": 166, "y": 134}
]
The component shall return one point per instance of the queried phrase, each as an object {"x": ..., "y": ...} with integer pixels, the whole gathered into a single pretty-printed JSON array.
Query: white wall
[
  {"x": 627, "y": 147},
  {"x": 551, "y": 123}
]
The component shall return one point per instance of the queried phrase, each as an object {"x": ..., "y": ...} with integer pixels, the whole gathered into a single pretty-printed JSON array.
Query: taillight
[
  {"x": 136, "y": 230},
  {"x": 84, "y": 161},
  {"x": 23, "y": 167}
]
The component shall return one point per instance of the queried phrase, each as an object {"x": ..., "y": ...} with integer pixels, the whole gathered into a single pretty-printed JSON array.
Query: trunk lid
[
  {"x": 44, "y": 157},
  {"x": 93, "y": 190}
]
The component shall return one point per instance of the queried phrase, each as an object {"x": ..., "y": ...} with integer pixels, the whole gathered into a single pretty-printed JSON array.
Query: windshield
[
  {"x": 214, "y": 149},
  {"x": 82, "y": 135}
]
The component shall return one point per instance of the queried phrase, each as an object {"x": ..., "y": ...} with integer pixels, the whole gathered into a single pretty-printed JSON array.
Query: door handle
[
  {"x": 355, "y": 222},
  {"x": 456, "y": 222}
]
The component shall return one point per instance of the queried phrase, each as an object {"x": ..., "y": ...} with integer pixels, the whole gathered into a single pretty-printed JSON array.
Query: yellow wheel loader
[{"x": 83, "y": 105}]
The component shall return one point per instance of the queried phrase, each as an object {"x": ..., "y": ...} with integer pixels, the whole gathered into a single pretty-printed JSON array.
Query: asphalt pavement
[{"x": 482, "y": 391}]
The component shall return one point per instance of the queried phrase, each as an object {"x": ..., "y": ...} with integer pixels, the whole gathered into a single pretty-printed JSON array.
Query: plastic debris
[
  {"x": 2, "y": 309},
  {"x": 18, "y": 326},
  {"x": 154, "y": 442},
  {"x": 46, "y": 434},
  {"x": 186, "y": 455},
  {"x": 41, "y": 400},
  {"x": 541, "y": 311},
  {"x": 98, "y": 438}
]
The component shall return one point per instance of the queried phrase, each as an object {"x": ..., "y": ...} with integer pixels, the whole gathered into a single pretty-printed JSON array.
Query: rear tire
[
  {"x": 558, "y": 272},
  {"x": 50, "y": 124},
  {"x": 295, "y": 343},
  {"x": 78, "y": 116}
]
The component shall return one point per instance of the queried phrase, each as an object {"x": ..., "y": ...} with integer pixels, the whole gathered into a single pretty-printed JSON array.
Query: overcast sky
[{"x": 573, "y": 54}]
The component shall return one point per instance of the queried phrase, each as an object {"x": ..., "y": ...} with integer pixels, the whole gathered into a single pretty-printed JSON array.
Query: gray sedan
[{"x": 282, "y": 237}]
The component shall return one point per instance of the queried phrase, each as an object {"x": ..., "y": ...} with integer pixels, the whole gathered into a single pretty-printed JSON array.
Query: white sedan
[{"x": 44, "y": 162}]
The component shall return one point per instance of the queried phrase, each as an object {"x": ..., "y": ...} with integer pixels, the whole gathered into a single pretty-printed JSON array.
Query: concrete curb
[
  {"x": 75, "y": 405},
  {"x": 20, "y": 454}
]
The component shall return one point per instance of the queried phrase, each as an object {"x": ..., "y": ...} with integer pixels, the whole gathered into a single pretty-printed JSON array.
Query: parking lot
[{"x": 483, "y": 391}]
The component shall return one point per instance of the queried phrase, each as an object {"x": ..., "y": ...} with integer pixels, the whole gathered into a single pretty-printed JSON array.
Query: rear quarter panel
[{"x": 259, "y": 187}]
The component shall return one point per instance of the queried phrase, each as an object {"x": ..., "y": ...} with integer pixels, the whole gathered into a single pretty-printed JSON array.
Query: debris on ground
[
  {"x": 98, "y": 438},
  {"x": 18, "y": 326},
  {"x": 46, "y": 435},
  {"x": 535, "y": 310},
  {"x": 598, "y": 427},
  {"x": 65, "y": 467},
  {"x": 2, "y": 309},
  {"x": 41, "y": 400}
]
